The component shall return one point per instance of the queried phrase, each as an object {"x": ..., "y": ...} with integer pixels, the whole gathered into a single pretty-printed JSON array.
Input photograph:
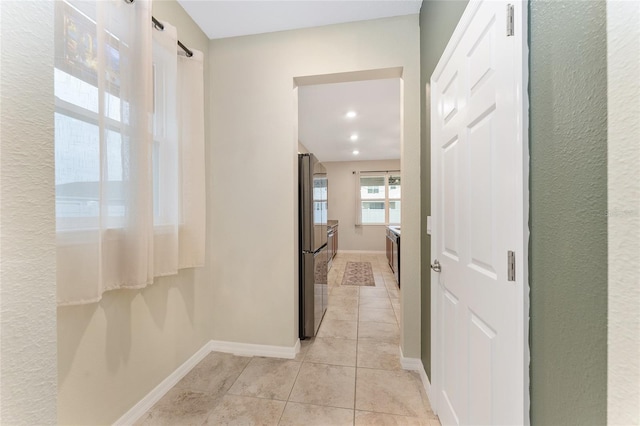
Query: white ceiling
[
  {"x": 223, "y": 18},
  {"x": 324, "y": 129}
]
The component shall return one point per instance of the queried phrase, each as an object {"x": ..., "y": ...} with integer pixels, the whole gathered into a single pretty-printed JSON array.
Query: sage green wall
[
  {"x": 568, "y": 194},
  {"x": 438, "y": 19}
]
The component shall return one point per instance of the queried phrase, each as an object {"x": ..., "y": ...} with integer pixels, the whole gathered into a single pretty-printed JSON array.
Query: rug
[{"x": 358, "y": 273}]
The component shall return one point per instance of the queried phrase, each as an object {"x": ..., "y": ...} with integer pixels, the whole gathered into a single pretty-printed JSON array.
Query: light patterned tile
[
  {"x": 377, "y": 315},
  {"x": 269, "y": 378},
  {"x": 345, "y": 291},
  {"x": 379, "y": 331},
  {"x": 244, "y": 410},
  {"x": 373, "y": 292},
  {"x": 394, "y": 293},
  {"x": 304, "y": 348},
  {"x": 214, "y": 374},
  {"x": 322, "y": 384},
  {"x": 181, "y": 406},
  {"x": 366, "y": 418},
  {"x": 375, "y": 303},
  {"x": 337, "y": 314},
  {"x": 328, "y": 350},
  {"x": 376, "y": 354},
  {"x": 347, "y": 303},
  {"x": 338, "y": 329},
  {"x": 391, "y": 392},
  {"x": 296, "y": 414}
]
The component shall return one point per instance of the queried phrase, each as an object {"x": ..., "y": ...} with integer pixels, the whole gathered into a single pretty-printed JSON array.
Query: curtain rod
[
  {"x": 160, "y": 27},
  {"x": 377, "y": 171}
]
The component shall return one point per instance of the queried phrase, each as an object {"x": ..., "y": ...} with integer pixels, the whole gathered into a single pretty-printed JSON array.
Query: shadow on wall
[{"x": 79, "y": 325}]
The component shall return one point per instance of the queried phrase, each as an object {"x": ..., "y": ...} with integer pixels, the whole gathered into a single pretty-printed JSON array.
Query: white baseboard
[
  {"x": 241, "y": 349},
  {"x": 361, "y": 251},
  {"x": 249, "y": 349},
  {"x": 415, "y": 364},
  {"x": 145, "y": 404}
]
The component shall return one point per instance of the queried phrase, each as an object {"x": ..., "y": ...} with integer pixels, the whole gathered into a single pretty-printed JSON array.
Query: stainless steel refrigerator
[{"x": 312, "y": 220}]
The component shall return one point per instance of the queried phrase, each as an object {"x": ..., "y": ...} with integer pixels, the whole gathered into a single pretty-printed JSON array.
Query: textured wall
[
  {"x": 112, "y": 353},
  {"x": 623, "y": 53},
  {"x": 342, "y": 206},
  {"x": 438, "y": 19},
  {"x": 255, "y": 167},
  {"x": 568, "y": 256},
  {"x": 27, "y": 222}
]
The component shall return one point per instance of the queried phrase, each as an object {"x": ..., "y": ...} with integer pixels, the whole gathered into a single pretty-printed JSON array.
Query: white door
[{"x": 478, "y": 204}]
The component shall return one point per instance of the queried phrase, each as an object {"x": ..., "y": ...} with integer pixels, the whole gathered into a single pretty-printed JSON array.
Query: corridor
[{"x": 350, "y": 374}]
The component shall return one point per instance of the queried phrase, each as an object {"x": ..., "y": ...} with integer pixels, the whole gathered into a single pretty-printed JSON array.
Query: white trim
[
  {"x": 137, "y": 411},
  {"x": 250, "y": 349},
  {"x": 415, "y": 364},
  {"x": 361, "y": 251}
]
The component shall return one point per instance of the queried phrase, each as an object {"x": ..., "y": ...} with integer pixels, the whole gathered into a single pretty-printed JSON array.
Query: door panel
[
  {"x": 450, "y": 202},
  {"x": 474, "y": 137}
]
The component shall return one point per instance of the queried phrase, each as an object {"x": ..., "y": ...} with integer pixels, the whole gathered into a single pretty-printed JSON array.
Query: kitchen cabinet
[
  {"x": 332, "y": 240},
  {"x": 389, "y": 248},
  {"x": 393, "y": 250}
]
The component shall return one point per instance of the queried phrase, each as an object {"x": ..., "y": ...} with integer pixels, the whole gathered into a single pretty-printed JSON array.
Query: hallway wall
[
  {"x": 568, "y": 198},
  {"x": 27, "y": 223},
  {"x": 254, "y": 142},
  {"x": 623, "y": 176}
]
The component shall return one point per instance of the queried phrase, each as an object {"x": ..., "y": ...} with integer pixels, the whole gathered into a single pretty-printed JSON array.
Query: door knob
[{"x": 436, "y": 266}]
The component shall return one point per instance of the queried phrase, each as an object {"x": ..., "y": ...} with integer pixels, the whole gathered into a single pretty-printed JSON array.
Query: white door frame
[{"x": 522, "y": 273}]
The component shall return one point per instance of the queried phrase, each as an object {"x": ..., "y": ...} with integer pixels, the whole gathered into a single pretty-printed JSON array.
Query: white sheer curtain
[
  {"x": 358, "y": 220},
  {"x": 119, "y": 152}
]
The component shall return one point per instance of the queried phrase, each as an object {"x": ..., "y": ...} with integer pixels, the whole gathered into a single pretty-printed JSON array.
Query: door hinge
[
  {"x": 509, "y": 20},
  {"x": 511, "y": 266}
]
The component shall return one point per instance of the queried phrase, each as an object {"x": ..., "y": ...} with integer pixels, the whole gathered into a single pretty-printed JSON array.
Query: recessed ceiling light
[
  {"x": 351, "y": 114},
  {"x": 356, "y": 152},
  {"x": 354, "y": 137}
]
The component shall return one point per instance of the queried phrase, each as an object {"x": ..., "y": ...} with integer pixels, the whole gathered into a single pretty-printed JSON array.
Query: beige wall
[
  {"x": 112, "y": 353},
  {"x": 27, "y": 222},
  {"x": 623, "y": 68},
  {"x": 342, "y": 206},
  {"x": 254, "y": 140}
]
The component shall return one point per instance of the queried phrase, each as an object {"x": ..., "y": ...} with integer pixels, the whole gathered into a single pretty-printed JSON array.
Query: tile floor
[{"x": 350, "y": 374}]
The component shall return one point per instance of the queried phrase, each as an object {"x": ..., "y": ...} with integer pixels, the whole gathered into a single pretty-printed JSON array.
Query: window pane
[
  {"x": 77, "y": 156},
  {"x": 320, "y": 188},
  {"x": 394, "y": 211},
  {"x": 372, "y": 187},
  {"x": 394, "y": 187},
  {"x": 373, "y": 212}
]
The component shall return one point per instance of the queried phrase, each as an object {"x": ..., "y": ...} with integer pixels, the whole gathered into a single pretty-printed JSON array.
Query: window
[
  {"x": 94, "y": 148},
  {"x": 380, "y": 199},
  {"x": 129, "y": 150},
  {"x": 320, "y": 200},
  {"x": 84, "y": 154}
]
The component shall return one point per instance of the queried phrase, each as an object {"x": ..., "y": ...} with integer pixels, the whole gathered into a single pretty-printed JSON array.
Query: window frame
[
  {"x": 386, "y": 200},
  {"x": 77, "y": 226}
]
